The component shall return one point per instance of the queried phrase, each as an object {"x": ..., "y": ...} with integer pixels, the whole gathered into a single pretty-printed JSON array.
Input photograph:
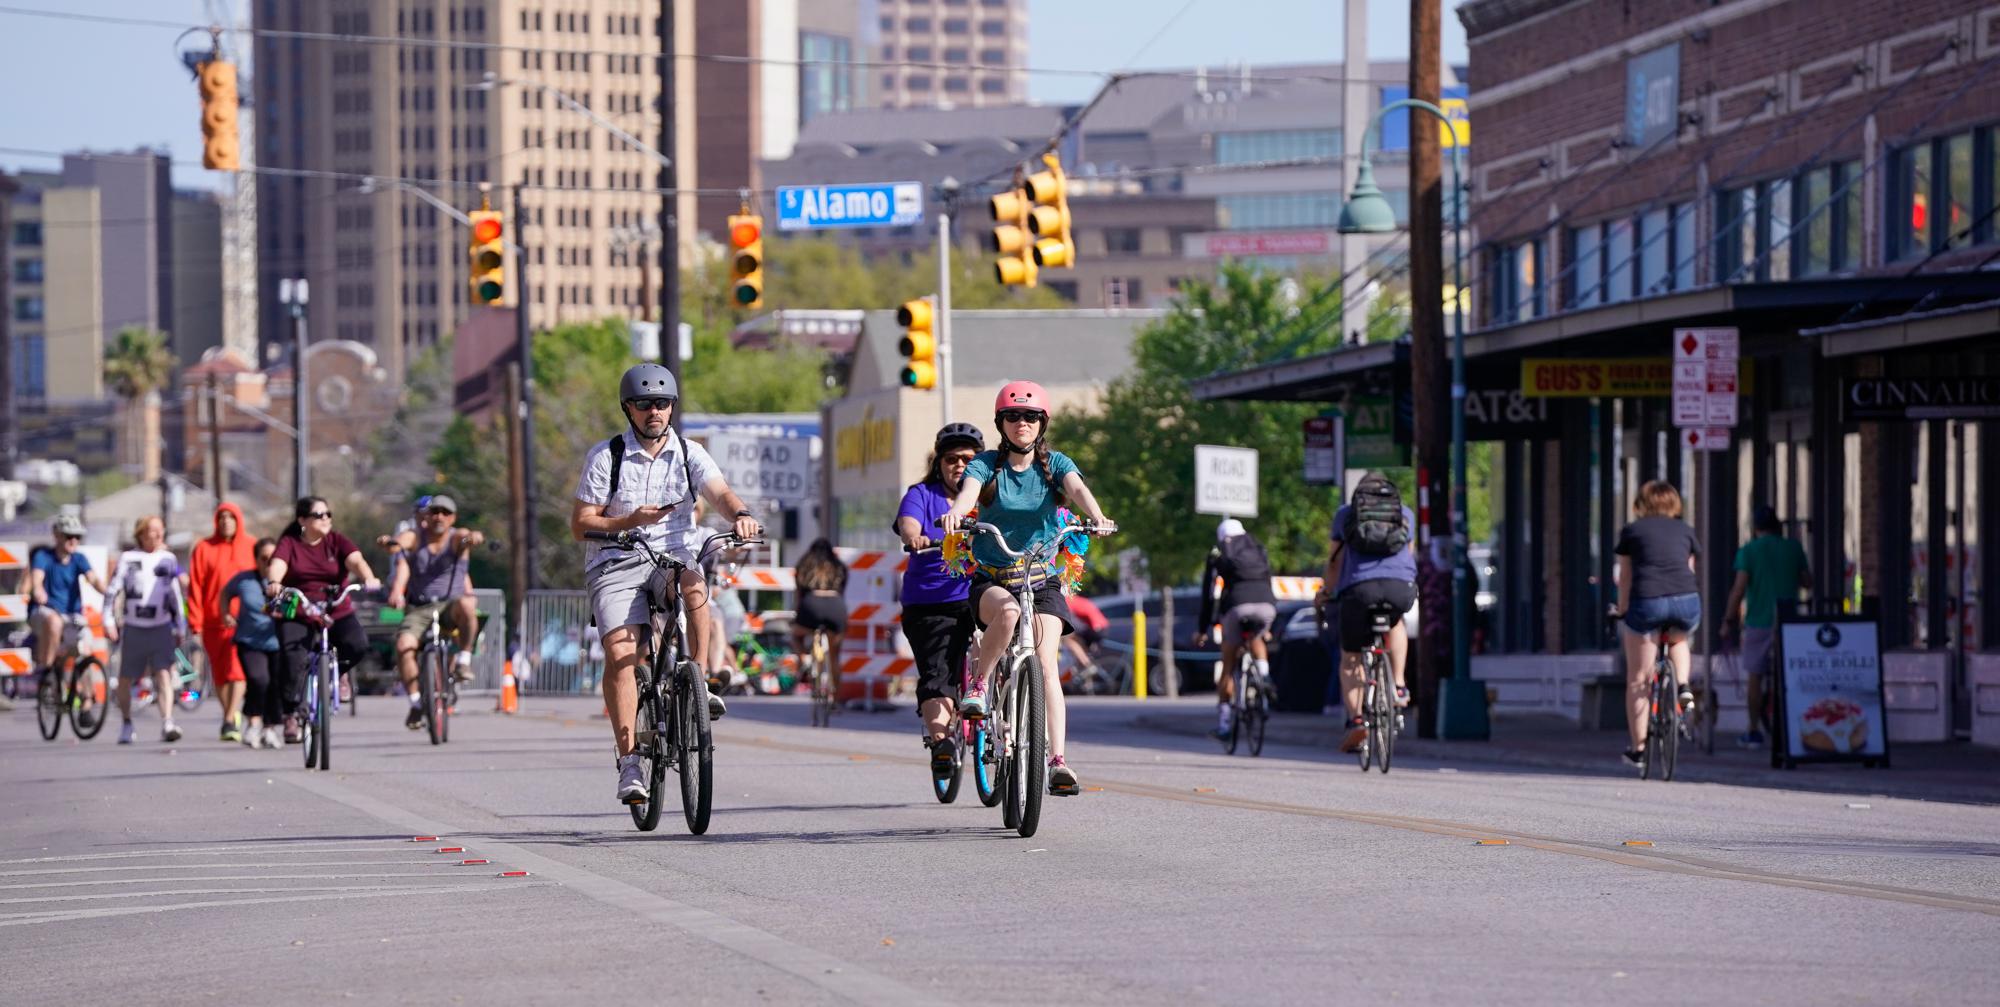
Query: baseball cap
[
  {"x": 66, "y": 525},
  {"x": 1228, "y": 529},
  {"x": 444, "y": 503}
]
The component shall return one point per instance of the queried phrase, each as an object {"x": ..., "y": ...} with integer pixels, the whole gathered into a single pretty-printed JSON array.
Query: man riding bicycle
[
  {"x": 54, "y": 592},
  {"x": 1246, "y": 599},
  {"x": 643, "y": 481},
  {"x": 431, "y": 579},
  {"x": 1373, "y": 565}
]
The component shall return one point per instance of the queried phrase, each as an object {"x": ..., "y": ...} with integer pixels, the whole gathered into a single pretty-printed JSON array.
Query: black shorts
[
  {"x": 1049, "y": 600},
  {"x": 1355, "y": 621},
  {"x": 939, "y": 636},
  {"x": 822, "y": 611}
]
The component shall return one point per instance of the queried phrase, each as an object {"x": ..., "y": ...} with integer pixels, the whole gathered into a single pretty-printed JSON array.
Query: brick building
[{"x": 1822, "y": 177}]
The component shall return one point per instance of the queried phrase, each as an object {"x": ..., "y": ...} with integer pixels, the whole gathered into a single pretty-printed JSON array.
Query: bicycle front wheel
[
  {"x": 1009, "y": 737},
  {"x": 1258, "y": 709},
  {"x": 1034, "y": 718},
  {"x": 309, "y": 719},
  {"x": 49, "y": 702},
  {"x": 89, "y": 698},
  {"x": 697, "y": 754},
  {"x": 429, "y": 696},
  {"x": 1670, "y": 727},
  {"x": 193, "y": 679},
  {"x": 985, "y": 771},
  {"x": 323, "y": 732},
  {"x": 1382, "y": 719}
]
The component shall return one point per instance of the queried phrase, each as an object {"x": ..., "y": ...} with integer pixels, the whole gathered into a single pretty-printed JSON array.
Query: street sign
[
  {"x": 871, "y": 204},
  {"x": 1323, "y": 450},
  {"x": 1706, "y": 438},
  {"x": 1225, "y": 480},
  {"x": 1705, "y": 377},
  {"x": 765, "y": 468}
]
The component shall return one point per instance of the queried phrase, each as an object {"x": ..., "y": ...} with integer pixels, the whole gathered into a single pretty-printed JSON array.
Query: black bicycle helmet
[
  {"x": 646, "y": 381},
  {"x": 959, "y": 433}
]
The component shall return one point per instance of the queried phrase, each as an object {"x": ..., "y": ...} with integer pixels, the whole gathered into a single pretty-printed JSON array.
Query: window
[
  {"x": 1587, "y": 279},
  {"x": 1518, "y": 284},
  {"x": 1265, "y": 211},
  {"x": 993, "y": 57},
  {"x": 27, "y": 270},
  {"x": 1955, "y": 192},
  {"x": 28, "y": 309},
  {"x": 1816, "y": 230},
  {"x": 1121, "y": 240},
  {"x": 1065, "y": 289},
  {"x": 958, "y": 54},
  {"x": 993, "y": 28},
  {"x": 1121, "y": 291},
  {"x": 919, "y": 82},
  {"x": 1276, "y": 145},
  {"x": 1684, "y": 247},
  {"x": 918, "y": 54},
  {"x": 1655, "y": 252},
  {"x": 917, "y": 24},
  {"x": 1777, "y": 230},
  {"x": 1618, "y": 261},
  {"x": 993, "y": 85},
  {"x": 957, "y": 85},
  {"x": 27, "y": 232},
  {"x": 1910, "y": 204},
  {"x": 31, "y": 367},
  {"x": 957, "y": 26}
]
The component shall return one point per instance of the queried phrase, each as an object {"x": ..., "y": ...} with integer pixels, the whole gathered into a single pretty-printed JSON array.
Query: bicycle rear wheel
[
  {"x": 1382, "y": 719},
  {"x": 978, "y": 750},
  {"x": 309, "y": 717},
  {"x": 1258, "y": 708},
  {"x": 1035, "y": 749},
  {"x": 650, "y": 746},
  {"x": 1366, "y": 754},
  {"x": 946, "y": 789},
  {"x": 89, "y": 697},
  {"x": 697, "y": 754},
  {"x": 49, "y": 702},
  {"x": 427, "y": 691},
  {"x": 1669, "y": 705},
  {"x": 1235, "y": 732},
  {"x": 194, "y": 681}
]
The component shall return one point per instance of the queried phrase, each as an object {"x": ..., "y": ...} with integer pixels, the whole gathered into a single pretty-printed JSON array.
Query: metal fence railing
[{"x": 563, "y": 655}]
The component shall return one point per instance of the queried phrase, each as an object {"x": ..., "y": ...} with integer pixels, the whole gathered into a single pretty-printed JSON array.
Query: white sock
[
  {"x": 416, "y": 700},
  {"x": 1262, "y": 665},
  {"x": 1222, "y": 715}
]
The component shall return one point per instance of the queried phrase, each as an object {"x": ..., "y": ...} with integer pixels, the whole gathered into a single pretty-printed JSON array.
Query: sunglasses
[
  {"x": 652, "y": 405},
  {"x": 441, "y": 512},
  {"x": 72, "y": 538},
  {"x": 1020, "y": 416},
  {"x": 320, "y": 515},
  {"x": 964, "y": 458}
]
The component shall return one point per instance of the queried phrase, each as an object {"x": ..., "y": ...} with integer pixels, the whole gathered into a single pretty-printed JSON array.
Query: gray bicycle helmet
[
  {"x": 646, "y": 381},
  {"x": 959, "y": 433},
  {"x": 67, "y": 525}
]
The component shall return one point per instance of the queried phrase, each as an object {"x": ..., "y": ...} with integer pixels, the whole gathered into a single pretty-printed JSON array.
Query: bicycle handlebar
[
  {"x": 1087, "y": 527},
  {"x": 626, "y": 540}
]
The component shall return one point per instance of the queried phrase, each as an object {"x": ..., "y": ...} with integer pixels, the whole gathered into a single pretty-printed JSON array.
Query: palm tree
[{"x": 137, "y": 366}]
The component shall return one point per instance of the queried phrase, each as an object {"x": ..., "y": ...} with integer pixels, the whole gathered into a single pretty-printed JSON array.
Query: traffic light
[
  {"x": 919, "y": 343},
  {"x": 1055, "y": 248},
  {"x": 488, "y": 252},
  {"x": 218, "y": 114},
  {"x": 1011, "y": 238},
  {"x": 746, "y": 261}
]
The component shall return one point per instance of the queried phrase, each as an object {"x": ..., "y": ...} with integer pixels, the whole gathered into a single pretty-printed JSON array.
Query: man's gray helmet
[
  {"x": 648, "y": 381},
  {"x": 66, "y": 525}
]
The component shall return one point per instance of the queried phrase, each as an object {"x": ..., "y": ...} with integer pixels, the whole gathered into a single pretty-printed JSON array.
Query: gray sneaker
[
  {"x": 716, "y": 708},
  {"x": 632, "y": 781}
]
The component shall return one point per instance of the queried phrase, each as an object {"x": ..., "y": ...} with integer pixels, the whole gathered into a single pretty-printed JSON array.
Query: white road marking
[{"x": 30, "y": 919}]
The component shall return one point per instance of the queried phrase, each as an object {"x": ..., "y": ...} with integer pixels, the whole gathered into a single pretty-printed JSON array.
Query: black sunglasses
[
  {"x": 72, "y": 538},
  {"x": 655, "y": 405},
  {"x": 441, "y": 512},
  {"x": 319, "y": 514},
  {"x": 1020, "y": 416}
]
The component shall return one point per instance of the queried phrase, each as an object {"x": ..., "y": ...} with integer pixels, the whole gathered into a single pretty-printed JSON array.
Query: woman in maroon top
[{"x": 317, "y": 560}]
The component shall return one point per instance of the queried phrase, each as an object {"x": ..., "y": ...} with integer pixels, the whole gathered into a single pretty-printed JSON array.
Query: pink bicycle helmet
[{"x": 1022, "y": 395}]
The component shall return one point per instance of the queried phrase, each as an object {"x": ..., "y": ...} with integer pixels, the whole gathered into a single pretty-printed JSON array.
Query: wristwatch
[{"x": 745, "y": 513}]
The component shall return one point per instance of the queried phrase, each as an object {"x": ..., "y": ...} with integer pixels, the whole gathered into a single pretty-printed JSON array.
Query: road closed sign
[
  {"x": 765, "y": 468},
  {"x": 1225, "y": 480}
]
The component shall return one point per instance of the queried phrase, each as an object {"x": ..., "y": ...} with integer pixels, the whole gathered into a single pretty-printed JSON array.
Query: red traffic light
[
  {"x": 744, "y": 234},
  {"x": 486, "y": 230}
]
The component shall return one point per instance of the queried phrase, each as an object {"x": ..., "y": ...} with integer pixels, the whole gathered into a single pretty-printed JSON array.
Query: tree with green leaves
[{"x": 139, "y": 363}]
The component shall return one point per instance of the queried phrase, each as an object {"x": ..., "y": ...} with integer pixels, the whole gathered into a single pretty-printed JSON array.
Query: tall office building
[
  {"x": 978, "y": 50},
  {"x": 386, "y": 268}
]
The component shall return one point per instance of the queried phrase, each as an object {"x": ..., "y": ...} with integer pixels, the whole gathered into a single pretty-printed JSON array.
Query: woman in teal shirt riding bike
[{"x": 1023, "y": 489}]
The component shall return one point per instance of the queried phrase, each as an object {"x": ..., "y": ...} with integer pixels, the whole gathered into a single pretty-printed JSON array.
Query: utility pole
[
  {"x": 1428, "y": 383},
  {"x": 216, "y": 481},
  {"x": 948, "y": 197},
  {"x": 293, "y": 294},
  {"x": 670, "y": 228},
  {"x": 524, "y": 403}
]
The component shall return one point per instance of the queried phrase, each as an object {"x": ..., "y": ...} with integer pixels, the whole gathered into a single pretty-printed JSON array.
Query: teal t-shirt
[
  {"x": 1774, "y": 564},
  {"x": 1025, "y": 507}
]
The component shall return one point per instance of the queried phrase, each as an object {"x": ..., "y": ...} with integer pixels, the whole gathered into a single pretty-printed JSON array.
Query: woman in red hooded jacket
[{"x": 230, "y": 551}]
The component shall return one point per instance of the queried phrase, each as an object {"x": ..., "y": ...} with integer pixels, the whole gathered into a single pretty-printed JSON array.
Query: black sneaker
[
  {"x": 943, "y": 755},
  {"x": 1634, "y": 756},
  {"x": 416, "y": 718}
]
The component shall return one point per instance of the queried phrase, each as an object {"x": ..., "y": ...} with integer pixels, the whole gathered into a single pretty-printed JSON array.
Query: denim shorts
[{"x": 1645, "y": 615}]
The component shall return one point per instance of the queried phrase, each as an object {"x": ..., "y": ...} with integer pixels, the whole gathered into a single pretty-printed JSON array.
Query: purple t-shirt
[{"x": 925, "y": 580}]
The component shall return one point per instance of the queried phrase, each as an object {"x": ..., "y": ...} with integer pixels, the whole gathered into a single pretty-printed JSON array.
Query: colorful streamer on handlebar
[{"x": 1068, "y": 562}]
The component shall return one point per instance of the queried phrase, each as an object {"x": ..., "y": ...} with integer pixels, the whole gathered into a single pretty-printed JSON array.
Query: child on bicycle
[
  {"x": 1024, "y": 489},
  {"x": 937, "y": 619},
  {"x": 1656, "y": 589}
]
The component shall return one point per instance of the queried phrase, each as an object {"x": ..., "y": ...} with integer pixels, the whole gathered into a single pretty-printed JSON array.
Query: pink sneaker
[
  {"x": 1062, "y": 779},
  {"x": 973, "y": 706}
]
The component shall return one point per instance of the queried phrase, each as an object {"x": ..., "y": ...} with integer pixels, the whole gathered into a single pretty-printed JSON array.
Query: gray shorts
[
  {"x": 1259, "y": 611},
  {"x": 1757, "y": 651},
  {"x": 620, "y": 589},
  {"x": 143, "y": 649}
]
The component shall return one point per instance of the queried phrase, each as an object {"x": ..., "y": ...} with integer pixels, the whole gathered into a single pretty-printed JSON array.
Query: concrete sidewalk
[{"x": 1939, "y": 772}]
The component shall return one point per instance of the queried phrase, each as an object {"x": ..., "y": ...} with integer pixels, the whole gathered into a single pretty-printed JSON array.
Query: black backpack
[
  {"x": 617, "y": 446},
  {"x": 1375, "y": 523},
  {"x": 1242, "y": 560}
]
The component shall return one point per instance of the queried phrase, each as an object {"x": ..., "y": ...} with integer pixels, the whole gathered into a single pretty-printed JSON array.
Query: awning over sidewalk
[{"x": 1923, "y": 328}]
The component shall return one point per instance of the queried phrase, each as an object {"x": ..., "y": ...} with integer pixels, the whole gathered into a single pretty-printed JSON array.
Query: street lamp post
[
  {"x": 1367, "y": 212},
  {"x": 293, "y": 294}
]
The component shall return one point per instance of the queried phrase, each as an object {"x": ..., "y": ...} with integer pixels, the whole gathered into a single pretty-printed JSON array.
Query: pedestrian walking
[
  {"x": 254, "y": 638},
  {"x": 148, "y": 580},
  {"x": 1769, "y": 568},
  {"x": 215, "y": 561}
]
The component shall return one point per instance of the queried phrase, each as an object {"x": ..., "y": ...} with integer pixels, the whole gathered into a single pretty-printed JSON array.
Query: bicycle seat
[
  {"x": 1671, "y": 626},
  {"x": 1250, "y": 627},
  {"x": 1383, "y": 617}
]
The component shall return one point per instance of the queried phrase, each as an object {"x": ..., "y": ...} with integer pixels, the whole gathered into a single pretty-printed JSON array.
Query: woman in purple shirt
[{"x": 937, "y": 618}]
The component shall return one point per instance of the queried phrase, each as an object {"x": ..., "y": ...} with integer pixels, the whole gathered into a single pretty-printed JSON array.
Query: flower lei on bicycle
[{"x": 956, "y": 551}]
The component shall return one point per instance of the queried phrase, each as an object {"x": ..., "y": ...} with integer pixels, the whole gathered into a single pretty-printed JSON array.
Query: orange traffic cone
[{"x": 510, "y": 695}]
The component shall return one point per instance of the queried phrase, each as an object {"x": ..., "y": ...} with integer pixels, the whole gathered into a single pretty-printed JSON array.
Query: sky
[{"x": 77, "y": 85}]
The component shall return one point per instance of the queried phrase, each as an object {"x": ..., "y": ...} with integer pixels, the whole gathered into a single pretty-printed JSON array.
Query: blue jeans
[{"x": 1645, "y": 615}]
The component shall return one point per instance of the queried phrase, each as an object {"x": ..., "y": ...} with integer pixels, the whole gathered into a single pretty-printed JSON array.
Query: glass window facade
[
  {"x": 1272, "y": 210},
  {"x": 1276, "y": 145}
]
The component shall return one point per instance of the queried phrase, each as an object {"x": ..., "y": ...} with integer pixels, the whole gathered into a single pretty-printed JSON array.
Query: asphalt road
[{"x": 207, "y": 873}]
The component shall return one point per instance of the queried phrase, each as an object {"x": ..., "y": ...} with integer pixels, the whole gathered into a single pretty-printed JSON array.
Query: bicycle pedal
[{"x": 1055, "y": 791}]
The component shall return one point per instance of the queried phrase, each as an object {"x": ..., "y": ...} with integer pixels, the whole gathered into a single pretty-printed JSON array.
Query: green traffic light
[
  {"x": 490, "y": 291},
  {"x": 747, "y": 294}
]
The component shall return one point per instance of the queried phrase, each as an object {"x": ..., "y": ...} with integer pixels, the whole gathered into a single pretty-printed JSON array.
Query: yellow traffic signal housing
[
  {"x": 919, "y": 343},
  {"x": 220, "y": 149},
  {"x": 1012, "y": 239},
  {"x": 488, "y": 253},
  {"x": 746, "y": 261},
  {"x": 1049, "y": 219}
]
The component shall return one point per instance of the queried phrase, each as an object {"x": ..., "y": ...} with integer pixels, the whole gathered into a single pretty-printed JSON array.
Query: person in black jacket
[{"x": 1247, "y": 607}]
